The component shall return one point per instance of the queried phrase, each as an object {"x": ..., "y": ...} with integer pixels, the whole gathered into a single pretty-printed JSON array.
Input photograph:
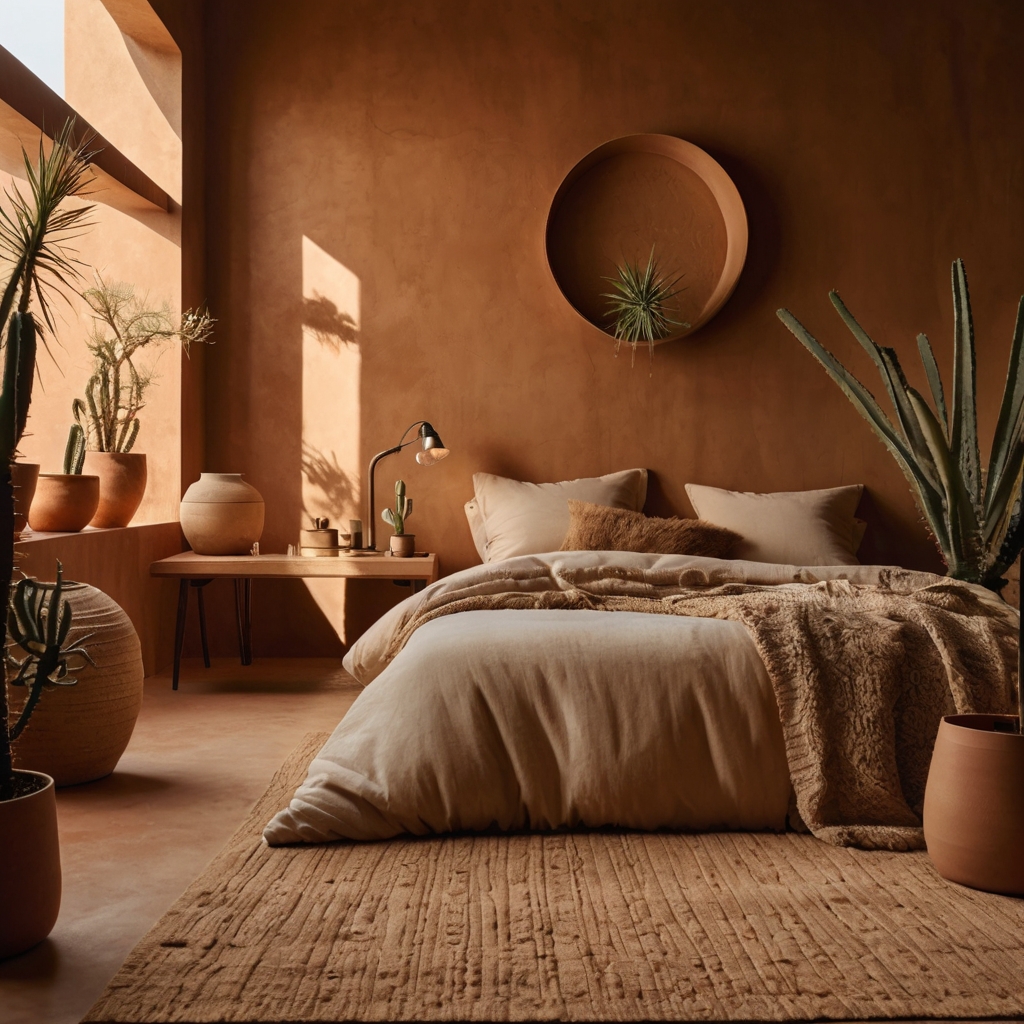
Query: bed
[{"x": 540, "y": 692}]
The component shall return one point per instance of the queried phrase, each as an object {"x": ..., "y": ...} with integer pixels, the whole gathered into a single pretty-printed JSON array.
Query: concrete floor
[{"x": 132, "y": 842}]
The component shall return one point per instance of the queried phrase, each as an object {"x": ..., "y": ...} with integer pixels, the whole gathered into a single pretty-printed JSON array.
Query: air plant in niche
[
  {"x": 124, "y": 327},
  {"x": 639, "y": 306}
]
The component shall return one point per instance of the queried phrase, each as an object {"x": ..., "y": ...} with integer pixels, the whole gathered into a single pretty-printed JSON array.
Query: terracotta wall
[{"x": 377, "y": 183}]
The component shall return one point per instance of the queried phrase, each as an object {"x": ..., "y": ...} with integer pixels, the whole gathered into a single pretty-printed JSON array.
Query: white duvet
[{"x": 547, "y": 718}]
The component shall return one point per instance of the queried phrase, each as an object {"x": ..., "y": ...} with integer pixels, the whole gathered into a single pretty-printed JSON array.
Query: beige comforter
[{"x": 535, "y": 708}]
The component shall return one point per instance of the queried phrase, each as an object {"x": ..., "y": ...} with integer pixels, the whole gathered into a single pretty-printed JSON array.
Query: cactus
[
  {"x": 396, "y": 517},
  {"x": 74, "y": 451}
]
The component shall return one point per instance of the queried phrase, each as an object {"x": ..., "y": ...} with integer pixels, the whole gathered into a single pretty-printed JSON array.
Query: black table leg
[
  {"x": 248, "y": 622},
  {"x": 243, "y": 613},
  {"x": 179, "y": 630},
  {"x": 199, "y": 584}
]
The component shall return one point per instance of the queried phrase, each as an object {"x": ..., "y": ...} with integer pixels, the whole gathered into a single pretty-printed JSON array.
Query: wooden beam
[{"x": 36, "y": 102}]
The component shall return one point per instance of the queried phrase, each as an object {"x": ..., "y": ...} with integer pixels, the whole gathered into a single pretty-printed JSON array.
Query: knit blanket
[{"x": 862, "y": 673}]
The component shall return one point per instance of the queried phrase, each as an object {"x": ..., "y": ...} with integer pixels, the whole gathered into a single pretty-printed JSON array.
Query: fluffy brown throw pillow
[{"x": 599, "y": 528}]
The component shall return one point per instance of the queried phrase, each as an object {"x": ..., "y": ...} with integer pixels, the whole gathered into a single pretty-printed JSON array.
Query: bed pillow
[
  {"x": 788, "y": 527},
  {"x": 528, "y": 519},
  {"x": 598, "y": 528}
]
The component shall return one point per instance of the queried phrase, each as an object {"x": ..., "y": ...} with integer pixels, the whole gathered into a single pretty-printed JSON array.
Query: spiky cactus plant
[
  {"x": 32, "y": 230},
  {"x": 976, "y": 517},
  {"x": 396, "y": 517},
  {"x": 74, "y": 451}
]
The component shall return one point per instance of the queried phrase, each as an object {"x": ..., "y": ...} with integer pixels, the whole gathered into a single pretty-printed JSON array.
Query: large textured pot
[
  {"x": 24, "y": 477},
  {"x": 122, "y": 485},
  {"x": 78, "y": 733},
  {"x": 29, "y": 868},
  {"x": 64, "y": 503},
  {"x": 974, "y": 803},
  {"x": 222, "y": 515}
]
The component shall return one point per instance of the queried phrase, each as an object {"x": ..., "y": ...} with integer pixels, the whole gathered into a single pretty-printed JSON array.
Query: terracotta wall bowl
[
  {"x": 122, "y": 486},
  {"x": 974, "y": 803},
  {"x": 64, "y": 503}
]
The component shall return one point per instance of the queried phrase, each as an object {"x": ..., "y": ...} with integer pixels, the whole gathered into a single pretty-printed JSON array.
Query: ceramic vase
[
  {"x": 222, "y": 515},
  {"x": 24, "y": 477},
  {"x": 974, "y": 803},
  {"x": 122, "y": 478},
  {"x": 78, "y": 733},
  {"x": 29, "y": 869},
  {"x": 64, "y": 503},
  {"x": 403, "y": 545}
]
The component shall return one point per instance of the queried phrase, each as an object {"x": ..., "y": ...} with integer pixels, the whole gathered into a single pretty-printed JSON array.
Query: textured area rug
[{"x": 569, "y": 926}]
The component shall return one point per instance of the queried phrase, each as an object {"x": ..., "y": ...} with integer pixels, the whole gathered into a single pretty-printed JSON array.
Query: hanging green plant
[{"x": 639, "y": 306}]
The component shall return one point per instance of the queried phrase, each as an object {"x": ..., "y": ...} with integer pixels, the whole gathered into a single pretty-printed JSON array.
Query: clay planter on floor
[
  {"x": 222, "y": 515},
  {"x": 24, "y": 477},
  {"x": 403, "y": 545},
  {"x": 29, "y": 869},
  {"x": 64, "y": 503},
  {"x": 974, "y": 803},
  {"x": 122, "y": 485},
  {"x": 78, "y": 733}
]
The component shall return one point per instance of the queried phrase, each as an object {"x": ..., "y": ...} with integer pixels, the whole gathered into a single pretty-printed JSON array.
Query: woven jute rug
[{"x": 581, "y": 926}]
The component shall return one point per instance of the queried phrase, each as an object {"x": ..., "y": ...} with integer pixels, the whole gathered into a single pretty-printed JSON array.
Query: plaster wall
[{"x": 376, "y": 186}]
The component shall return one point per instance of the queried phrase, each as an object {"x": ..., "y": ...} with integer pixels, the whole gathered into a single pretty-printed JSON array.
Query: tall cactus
[
  {"x": 74, "y": 451},
  {"x": 32, "y": 230},
  {"x": 396, "y": 517}
]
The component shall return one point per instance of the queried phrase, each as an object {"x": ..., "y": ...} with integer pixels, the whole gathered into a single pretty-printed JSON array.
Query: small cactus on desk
[
  {"x": 74, "y": 451},
  {"x": 396, "y": 517}
]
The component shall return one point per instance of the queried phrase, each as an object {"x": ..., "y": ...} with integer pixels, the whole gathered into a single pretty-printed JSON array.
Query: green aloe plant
[
  {"x": 639, "y": 305},
  {"x": 976, "y": 516}
]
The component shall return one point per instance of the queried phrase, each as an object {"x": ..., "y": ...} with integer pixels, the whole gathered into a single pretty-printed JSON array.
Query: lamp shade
[{"x": 433, "y": 447}]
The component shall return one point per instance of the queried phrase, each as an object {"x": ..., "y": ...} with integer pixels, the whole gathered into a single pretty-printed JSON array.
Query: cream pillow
[
  {"x": 476, "y": 527},
  {"x": 526, "y": 519},
  {"x": 788, "y": 527}
]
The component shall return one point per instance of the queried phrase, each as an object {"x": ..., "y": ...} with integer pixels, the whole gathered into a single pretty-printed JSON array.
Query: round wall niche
[{"x": 642, "y": 191}]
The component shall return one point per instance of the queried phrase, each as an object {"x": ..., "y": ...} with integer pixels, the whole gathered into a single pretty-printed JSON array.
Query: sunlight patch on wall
[{"x": 331, "y": 366}]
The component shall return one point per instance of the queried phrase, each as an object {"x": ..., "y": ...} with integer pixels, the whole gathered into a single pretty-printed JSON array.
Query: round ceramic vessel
[
  {"x": 974, "y": 803},
  {"x": 78, "y": 733},
  {"x": 403, "y": 545},
  {"x": 122, "y": 478},
  {"x": 64, "y": 503},
  {"x": 29, "y": 869},
  {"x": 222, "y": 515},
  {"x": 24, "y": 477}
]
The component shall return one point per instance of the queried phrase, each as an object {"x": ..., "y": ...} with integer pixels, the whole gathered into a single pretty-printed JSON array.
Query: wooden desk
[{"x": 199, "y": 570}]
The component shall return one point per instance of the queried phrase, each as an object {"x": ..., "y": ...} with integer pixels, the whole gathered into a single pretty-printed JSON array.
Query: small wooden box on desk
[{"x": 198, "y": 570}]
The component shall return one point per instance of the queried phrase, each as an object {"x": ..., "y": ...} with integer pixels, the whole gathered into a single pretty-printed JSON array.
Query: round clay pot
[
  {"x": 122, "y": 485},
  {"x": 403, "y": 545},
  {"x": 29, "y": 868},
  {"x": 24, "y": 477},
  {"x": 64, "y": 503},
  {"x": 974, "y": 803},
  {"x": 78, "y": 733},
  {"x": 222, "y": 515}
]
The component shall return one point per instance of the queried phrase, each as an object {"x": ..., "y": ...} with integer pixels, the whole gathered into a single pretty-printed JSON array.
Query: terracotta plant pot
[
  {"x": 974, "y": 803},
  {"x": 78, "y": 733},
  {"x": 122, "y": 486},
  {"x": 222, "y": 515},
  {"x": 403, "y": 545},
  {"x": 29, "y": 868},
  {"x": 24, "y": 477},
  {"x": 64, "y": 503}
]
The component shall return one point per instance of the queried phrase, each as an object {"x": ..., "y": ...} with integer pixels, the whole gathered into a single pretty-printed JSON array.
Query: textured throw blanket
[{"x": 862, "y": 673}]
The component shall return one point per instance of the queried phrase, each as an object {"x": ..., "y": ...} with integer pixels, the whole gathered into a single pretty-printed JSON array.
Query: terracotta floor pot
[
  {"x": 64, "y": 503},
  {"x": 29, "y": 869},
  {"x": 122, "y": 485},
  {"x": 222, "y": 515},
  {"x": 78, "y": 733},
  {"x": 974, "y": 803},
  {"x": 24, "y": 477}
]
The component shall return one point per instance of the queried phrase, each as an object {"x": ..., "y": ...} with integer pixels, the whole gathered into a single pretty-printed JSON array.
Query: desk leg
[
  {"x": 243, "y": 614},
  {"x": 199, "y": 585},
  {"x": 179, "y": 630}
]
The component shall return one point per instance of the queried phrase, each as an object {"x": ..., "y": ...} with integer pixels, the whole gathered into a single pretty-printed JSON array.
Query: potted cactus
[
  {"x": 124, "y": 327},
  {"x": 31, "y": 234},
  {"x": 403, "y": 545},
  {"x": 66, "y": 502}
]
